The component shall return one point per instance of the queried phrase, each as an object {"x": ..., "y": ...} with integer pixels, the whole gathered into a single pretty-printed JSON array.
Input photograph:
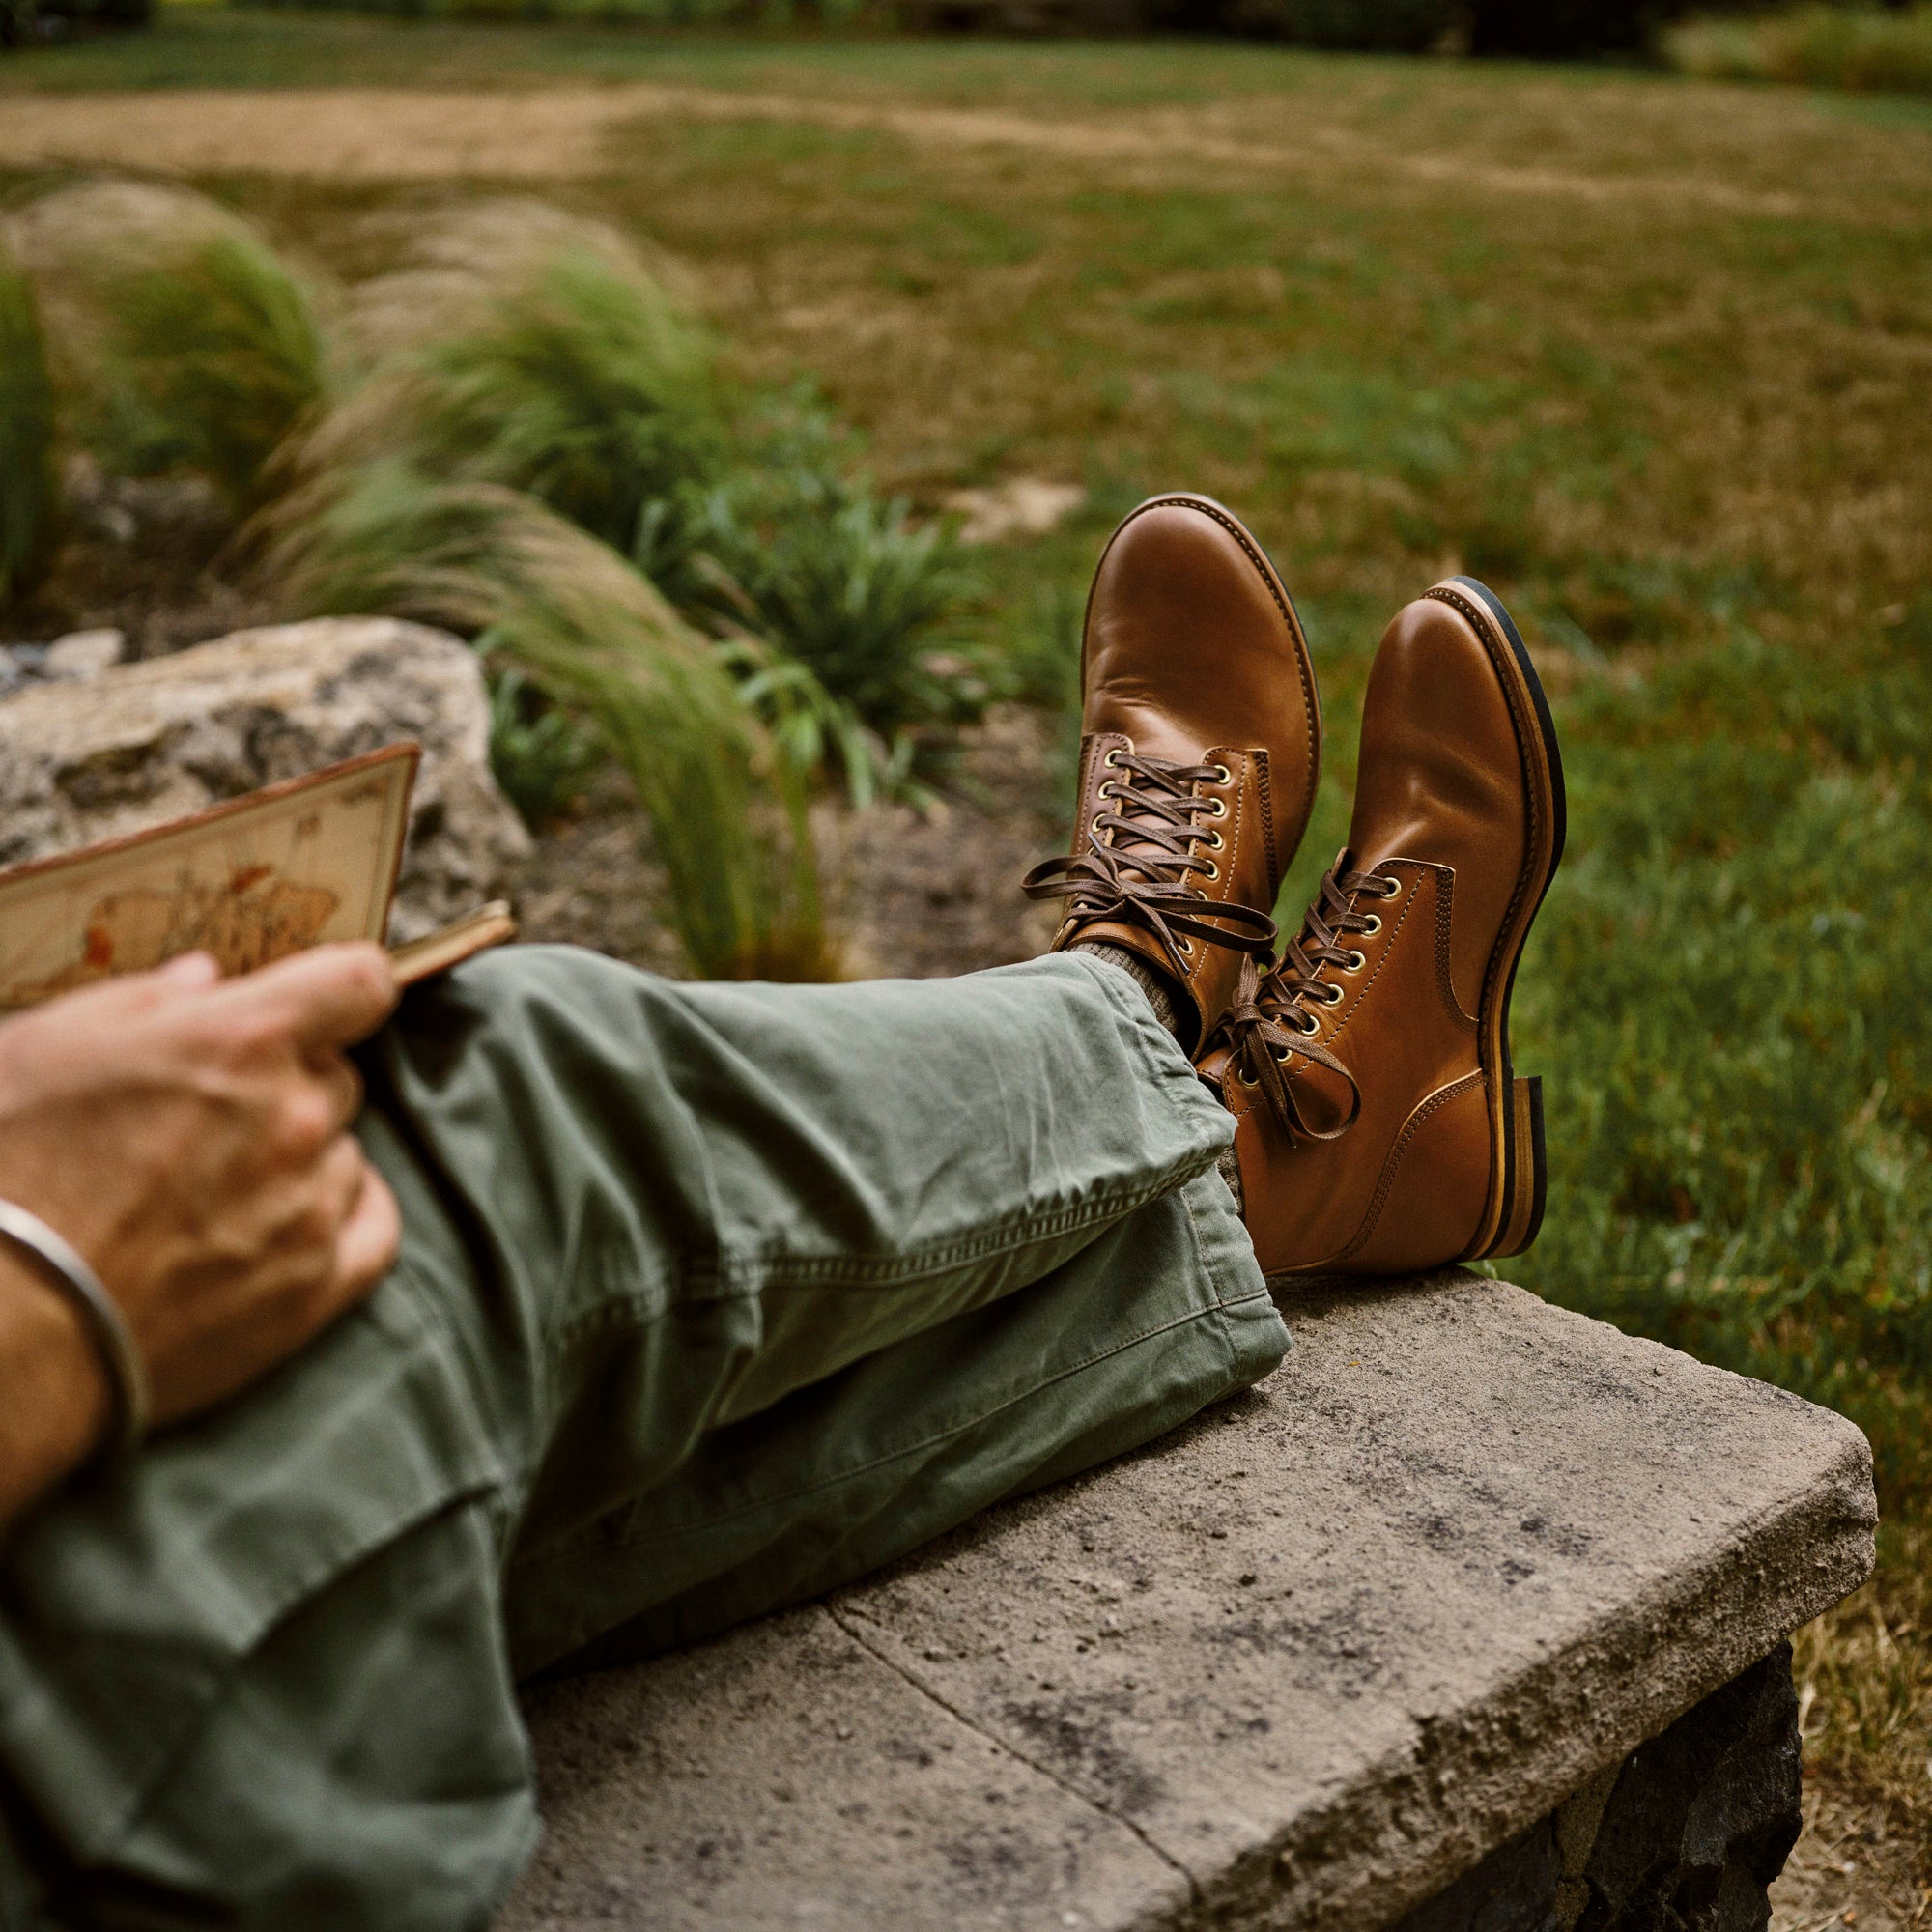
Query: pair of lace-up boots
[{"x": 1379, "y": 1126}]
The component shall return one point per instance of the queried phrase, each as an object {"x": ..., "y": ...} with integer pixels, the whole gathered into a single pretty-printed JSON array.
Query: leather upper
[
  {"x": 1408, "y": 954},
  {"x": 1193, "y": 654},
  {"x": 1440, "y": 776}
]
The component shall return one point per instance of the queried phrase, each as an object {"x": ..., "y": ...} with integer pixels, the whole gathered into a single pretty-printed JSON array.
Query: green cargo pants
[{"x": 710, "y": 1298}]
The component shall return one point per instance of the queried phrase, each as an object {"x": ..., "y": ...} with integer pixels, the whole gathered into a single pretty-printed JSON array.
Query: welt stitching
[
  {"x": 1445, "y": 893},
  {"x": 1263, "y": 782},
  {"x": 1440, "y": 1097},
  {"x": 1235, "y": 842},
  {"x": 551, "y": 1551}
]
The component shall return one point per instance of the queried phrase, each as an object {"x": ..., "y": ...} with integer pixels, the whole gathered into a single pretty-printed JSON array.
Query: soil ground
[{"x": 915, "y": 894}]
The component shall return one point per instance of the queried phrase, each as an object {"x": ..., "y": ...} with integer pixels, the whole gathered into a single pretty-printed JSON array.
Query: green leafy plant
[
  {"x": 814, "y": 731},
  {"x": 188, "y": 344},
  {"x": 844, "y": 582},
  {"x": 29, "y": 488},
  {"x": 541, "y": 756},
  {"x": 727, "y": 813},
  {"x": 832, "y": 616}
]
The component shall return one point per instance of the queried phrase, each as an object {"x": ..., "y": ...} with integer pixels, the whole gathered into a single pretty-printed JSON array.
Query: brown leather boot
[
  {"x": 1200, "y": 749},
  {"x": 1380, "y": 1127}
]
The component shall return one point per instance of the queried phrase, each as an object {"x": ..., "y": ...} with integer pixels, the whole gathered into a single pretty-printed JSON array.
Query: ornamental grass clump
[
  {"x": 726, "y": 811},
  {"x": 186, "y": 346},
  {"x": 843, "y": 581},
  {"x": 520, "y": 345},
  {"x": 29, "y": 486}
]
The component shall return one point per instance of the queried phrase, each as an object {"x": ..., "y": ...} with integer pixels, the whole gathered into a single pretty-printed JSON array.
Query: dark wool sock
[
  {"x": 1159, "y": 991},
  {"x": 1230, "y": 1171}
]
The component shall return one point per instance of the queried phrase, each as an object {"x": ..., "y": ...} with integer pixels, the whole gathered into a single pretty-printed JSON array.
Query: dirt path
[{"x": 563, "y": 133}]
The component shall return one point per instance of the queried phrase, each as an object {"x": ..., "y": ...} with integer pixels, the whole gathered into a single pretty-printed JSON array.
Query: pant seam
[
  {"x": 743, "y": 1279},
  {"x": 592, "y": 1539}
]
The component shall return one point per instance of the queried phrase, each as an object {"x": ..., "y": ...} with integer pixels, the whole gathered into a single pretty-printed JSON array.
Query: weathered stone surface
[
  {"x": 138, "y": 744},
  {"x": 1686, "y": 1834},
  {"x": 84, "y": 653},
  {"x": 1305, "y": 1663}
]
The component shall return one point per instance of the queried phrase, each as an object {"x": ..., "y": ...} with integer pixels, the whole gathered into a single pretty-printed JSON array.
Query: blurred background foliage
[
  {"x": 1863, "y": 45},
  {"x": 517, "y": 430},
  {"x": 1652, "y": 358}
]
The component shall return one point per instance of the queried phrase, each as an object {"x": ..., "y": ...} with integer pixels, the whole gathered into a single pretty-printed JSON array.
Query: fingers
[
  {"x": 341, "y": 1086},
  {"x": 129, "y": 993},
  {"x": 369, "y": 1239},
  {"x": 329, "y": 996},
  {"x": 187, "y": 972}
]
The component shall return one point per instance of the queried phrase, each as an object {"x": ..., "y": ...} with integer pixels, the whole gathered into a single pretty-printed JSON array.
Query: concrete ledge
[{"x": 1307, "y": 1663}]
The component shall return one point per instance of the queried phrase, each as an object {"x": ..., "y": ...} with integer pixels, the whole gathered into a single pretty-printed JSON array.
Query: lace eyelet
[
  {"x": 1112, "y": 759},
  {"x": 1373, "y": 926},
  {"x": 1220, "y": 809},
  {"x": 1187, "y": 948},
  {"x": 1334, "y": 997},
  {"x": 1213, "y": 841},
  {"x": 1354, "y": 962},
  {"x": 1394, "y": 886},
  {"x": 1282, "y": 1057},
  {"x": 1213, "y": 872},
  {"x": 1223, "y": 776},
  {"x": 1094, "y": 827},
  {"x": 1313, "y": 1027},
  {"x": 1245, "y": 1081}
]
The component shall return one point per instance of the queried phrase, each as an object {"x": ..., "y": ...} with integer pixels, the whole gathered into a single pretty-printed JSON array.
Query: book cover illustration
[{"x": 297, "y": 865}]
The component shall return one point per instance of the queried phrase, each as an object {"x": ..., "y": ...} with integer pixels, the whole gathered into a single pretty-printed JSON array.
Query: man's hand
[{"x": 189, "y": 1136}]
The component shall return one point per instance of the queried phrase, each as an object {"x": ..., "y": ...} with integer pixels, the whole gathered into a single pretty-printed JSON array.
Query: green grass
[{"x": 1649, "y": 355}]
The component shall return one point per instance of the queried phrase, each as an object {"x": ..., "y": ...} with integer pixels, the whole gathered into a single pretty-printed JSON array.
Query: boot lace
[
  {"x": 1271, "y": 1023},
  {"x": 1145, "y": 878}
]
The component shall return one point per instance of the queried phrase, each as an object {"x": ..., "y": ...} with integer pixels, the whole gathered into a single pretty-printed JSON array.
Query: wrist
[{"x": 56, "y": 1401}]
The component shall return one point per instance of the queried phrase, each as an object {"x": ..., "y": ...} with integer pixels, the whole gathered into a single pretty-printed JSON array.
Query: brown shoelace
[
  {"x": 1146, "y": 880},
  {"x": 1271, "y": 1024}
]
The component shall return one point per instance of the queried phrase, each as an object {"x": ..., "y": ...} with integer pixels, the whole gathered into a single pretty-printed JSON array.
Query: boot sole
[
  {"x": 1520, "y": 1177},
  {"x": 1192, "y": 500}
]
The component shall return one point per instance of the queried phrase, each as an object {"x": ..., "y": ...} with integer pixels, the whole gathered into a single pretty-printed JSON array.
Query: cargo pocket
[{"x": 129, "y": 1602}]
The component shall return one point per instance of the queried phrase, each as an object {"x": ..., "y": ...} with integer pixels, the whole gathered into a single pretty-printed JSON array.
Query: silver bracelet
[{"x": 58, "y": 1261}]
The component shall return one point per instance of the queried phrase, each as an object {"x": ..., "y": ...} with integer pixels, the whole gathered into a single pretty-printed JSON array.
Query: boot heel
[{"x": 1522, "y": 1212}]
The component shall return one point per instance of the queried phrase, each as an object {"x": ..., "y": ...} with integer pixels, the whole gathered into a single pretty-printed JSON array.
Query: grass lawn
[{"x": 1652, "y": 358}]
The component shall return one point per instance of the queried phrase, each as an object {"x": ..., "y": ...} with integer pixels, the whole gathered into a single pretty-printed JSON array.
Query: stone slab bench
[{"x": 1468, "y": 1617}]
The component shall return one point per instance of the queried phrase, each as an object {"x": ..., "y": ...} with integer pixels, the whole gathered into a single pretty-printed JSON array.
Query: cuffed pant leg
[
  {"x": 688, "y": 1202},
  {"x": 1161, "y": 1315}
]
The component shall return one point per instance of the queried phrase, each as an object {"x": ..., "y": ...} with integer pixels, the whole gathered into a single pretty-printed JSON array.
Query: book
[{"x": 251, "y": 880}]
